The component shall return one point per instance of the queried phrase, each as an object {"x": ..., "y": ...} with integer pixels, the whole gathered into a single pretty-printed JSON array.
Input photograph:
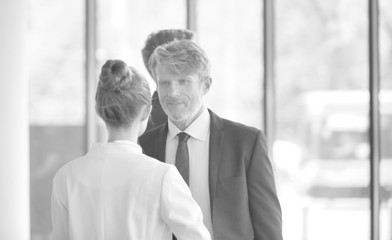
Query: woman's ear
[
  {"x": 207, "y": 84},
  {"x": 146, "y": 110}
]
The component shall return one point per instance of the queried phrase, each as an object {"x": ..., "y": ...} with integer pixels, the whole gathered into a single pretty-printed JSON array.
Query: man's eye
[{"x": 164, "y": 83}]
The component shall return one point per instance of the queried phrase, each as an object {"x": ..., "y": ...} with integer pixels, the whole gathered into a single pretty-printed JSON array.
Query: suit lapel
[
  {"x": 216, "y": 142},
  {"x": 215, "y": 150},
  {"x": 160, "y": 143}
]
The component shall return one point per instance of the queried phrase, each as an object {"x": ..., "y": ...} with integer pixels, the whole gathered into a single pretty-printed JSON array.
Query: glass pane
[
  {"x": 231, "y": 34},
  {"x": 386, "y": 119},
  {"x": 57, "y": 121},
  {"x": 322, "y": 147},
  {"x": 123, "y": 26}
]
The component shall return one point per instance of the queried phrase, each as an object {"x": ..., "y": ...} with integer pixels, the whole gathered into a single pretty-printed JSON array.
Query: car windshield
[{"x": 348, "y": 139}]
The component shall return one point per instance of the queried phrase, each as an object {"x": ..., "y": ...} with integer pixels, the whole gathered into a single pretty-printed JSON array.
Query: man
[
  {"x": 154, "y": 40},
  {"x": 230, "y": 175}
]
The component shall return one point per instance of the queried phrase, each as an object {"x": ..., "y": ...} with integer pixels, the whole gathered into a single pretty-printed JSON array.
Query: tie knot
[{"x": 183, "y": 137}]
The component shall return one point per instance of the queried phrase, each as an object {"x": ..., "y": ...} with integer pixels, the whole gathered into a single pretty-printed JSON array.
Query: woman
[{"x": 115, "y": 191}]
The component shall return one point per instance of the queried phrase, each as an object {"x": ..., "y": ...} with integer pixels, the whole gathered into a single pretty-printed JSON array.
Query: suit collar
[{"x": 216, "y": 146}]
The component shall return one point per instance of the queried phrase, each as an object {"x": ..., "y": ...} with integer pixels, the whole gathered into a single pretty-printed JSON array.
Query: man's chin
[
  {"x": 177, "y": 118},
  {"x": 176, "y": 112}
]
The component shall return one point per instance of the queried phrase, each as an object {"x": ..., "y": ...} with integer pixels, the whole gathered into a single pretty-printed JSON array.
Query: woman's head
[{"x": 122, "y": 94}]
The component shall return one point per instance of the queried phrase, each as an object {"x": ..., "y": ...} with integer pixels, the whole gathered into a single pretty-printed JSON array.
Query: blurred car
[{"x": 334, "y": 143}]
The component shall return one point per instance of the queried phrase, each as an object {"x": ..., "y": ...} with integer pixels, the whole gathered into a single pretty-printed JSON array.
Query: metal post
[
  {"x": 14, "y": 123},
  {"x": 191, "y": 17},
  {"x": 374, "y": 117},
  {"x": 91, "y": 22},
  {"x": 268, "y": 86}
]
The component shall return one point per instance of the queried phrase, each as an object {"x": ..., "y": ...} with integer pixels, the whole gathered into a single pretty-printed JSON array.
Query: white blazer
[{"x": 116, "y": 192}]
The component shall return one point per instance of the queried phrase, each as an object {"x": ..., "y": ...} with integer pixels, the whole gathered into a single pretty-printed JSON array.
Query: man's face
[{"x": 181, "y": 95}]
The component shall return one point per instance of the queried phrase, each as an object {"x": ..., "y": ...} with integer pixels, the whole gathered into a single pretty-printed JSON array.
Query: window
[
  {"x": 386, "y": 117},
  {"x": 321, "y": 151},
  {"x": 231, "y": 34},
  {"x": 322, "y": 145},
  {"x": 57, "y": 111}
]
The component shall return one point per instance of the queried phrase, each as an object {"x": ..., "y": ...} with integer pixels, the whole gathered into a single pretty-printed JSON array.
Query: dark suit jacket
[
  {"x": 244, "y": 203},
  {"x": 158, "y": 116}
]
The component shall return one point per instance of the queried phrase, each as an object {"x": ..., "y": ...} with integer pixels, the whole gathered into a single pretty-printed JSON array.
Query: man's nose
[{"x": 174, "y": 89}]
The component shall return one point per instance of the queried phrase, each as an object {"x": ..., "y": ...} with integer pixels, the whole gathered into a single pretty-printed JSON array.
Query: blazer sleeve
[
  {"x": 264, "y": 206},
  {"x": 179, "y": 210},
  {"x": 59, "y": 211}
]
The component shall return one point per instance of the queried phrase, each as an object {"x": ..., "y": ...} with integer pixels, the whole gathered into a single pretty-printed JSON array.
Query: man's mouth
[{"x": 175, "y": 103}]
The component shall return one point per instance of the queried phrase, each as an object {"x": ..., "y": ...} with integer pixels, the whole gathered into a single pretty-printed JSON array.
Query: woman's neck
[{"x": 130, "y": 134}]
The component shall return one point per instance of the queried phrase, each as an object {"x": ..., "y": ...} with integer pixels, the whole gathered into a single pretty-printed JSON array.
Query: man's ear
[
  {"x": 146, "y": 112},
  {"x": 207, "y": 84}
]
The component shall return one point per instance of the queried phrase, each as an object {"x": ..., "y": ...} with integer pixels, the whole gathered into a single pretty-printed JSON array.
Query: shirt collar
[
  {"x": 198, "y": 129},
  {"x": 128, "y": 144}
]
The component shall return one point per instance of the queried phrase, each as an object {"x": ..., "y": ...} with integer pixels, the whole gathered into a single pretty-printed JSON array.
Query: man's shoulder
[
  {"x": 151, "y": 134},
  {"x": 231, "y": 126},
  {"x": 239, "y": 126}
]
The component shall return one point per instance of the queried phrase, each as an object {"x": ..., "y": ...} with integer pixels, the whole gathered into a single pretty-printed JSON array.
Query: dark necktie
[{"x": 182, "y": 156}]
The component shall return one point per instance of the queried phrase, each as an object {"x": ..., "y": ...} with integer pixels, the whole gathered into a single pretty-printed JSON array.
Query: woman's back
[{"x": 116, "y": 192}]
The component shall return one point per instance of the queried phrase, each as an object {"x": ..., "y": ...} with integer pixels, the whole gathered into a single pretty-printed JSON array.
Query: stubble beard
[{"x": 182, "y": 118}]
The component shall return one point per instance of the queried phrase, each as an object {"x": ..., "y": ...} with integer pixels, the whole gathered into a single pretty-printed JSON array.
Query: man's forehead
[{"x": 169, "y": 69}]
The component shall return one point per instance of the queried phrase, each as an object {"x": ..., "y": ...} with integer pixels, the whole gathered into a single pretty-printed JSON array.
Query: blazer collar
[{"x": 216, "y": 146}]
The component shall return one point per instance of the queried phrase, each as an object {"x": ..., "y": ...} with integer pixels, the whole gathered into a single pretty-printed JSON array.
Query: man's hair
[
  {"x": 161, "y": 37},
  {"x": 182, "y": 56},
  {"x": 121, "y": 93}
]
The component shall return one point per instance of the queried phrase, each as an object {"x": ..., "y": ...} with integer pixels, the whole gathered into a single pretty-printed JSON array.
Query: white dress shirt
[
  {"x": 116, "y": 192},
  {"x": 198, "y": 147}
]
